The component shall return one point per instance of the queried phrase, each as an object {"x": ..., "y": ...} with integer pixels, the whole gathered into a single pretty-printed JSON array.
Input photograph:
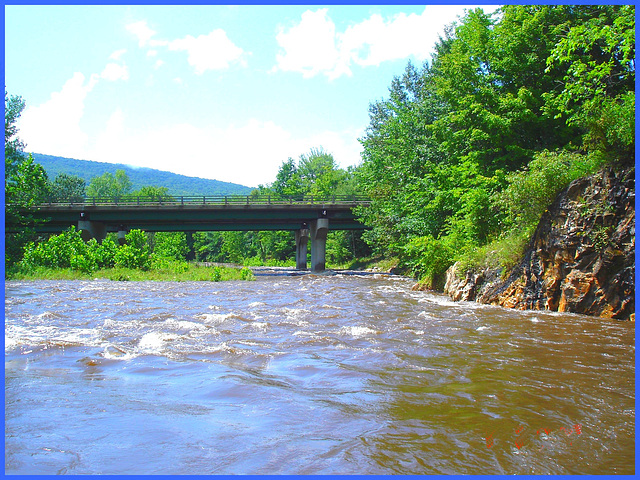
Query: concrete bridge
[{"x": 310, "y": 217}]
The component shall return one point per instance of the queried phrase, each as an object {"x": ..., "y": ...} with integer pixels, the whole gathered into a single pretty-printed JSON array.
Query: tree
[
  {"x": 13, "y": 146},
  {"x": 155, "y": 193},
  {"x": 108, "y": 185},
  {"x": 598, "y": 57},
  {"x": 499, "y": 91},
  {"x": 25, "y": 182},
  {"x": 67, "y": 188},
  {"x": 287, "y": 180}
]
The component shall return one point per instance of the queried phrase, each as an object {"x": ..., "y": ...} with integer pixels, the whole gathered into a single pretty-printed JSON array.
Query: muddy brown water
[{"x": 308, "y": 374}]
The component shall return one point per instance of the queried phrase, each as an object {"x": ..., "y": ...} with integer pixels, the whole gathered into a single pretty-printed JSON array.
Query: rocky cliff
[{"x": 581, "y": 258}]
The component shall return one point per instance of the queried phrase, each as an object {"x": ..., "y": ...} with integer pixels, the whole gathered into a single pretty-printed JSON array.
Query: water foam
[
  {"x": 154, "y": 342},
  {"x": 357, "y": 331}
]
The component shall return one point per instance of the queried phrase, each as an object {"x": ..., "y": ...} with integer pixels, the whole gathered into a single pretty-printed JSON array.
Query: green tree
[
  {"x": 287, "y": 180},
  {"x": 171, "y": 245},
  {"x": 13, "y": 146},
  {"x": 497, "y": 93},
  {"x": 26, "y": 183},
  {"x": 154, "y": 193},
  {"x": 109, "y": 185},
  {"x": 598, "y": 57},
  {"x": 67, "y": 188}
]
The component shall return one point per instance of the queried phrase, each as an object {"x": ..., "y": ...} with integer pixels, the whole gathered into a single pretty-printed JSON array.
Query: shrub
[
  {"x": 135, "y": 253},
  {"x": 171, "y": 245},
  {"x": 531, "y": 191},
  {"x": 428, "y": 258},
  {"x": 57, "y": 252}
]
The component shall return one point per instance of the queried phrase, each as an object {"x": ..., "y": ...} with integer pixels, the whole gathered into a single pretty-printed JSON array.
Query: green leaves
[
  {"x": 497, "y": 94},
  {"x": 108, "y": 185},
  {"x": 172, "y": 245},
  {"x": 532, "y": 190},
  {"x": 599, "y": 54},
  {"x": 68, "y": 250},
  {"x": 69, "y": 188}
]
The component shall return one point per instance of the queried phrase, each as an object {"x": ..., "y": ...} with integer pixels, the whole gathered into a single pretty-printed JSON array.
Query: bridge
[{"x": 308, "y": 216}]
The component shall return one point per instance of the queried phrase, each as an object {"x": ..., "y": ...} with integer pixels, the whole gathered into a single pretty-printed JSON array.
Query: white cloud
[
  {"x": 117, "y": 54},
  {"x": 310, "y": 46},
  {"x": 216, "y": 152},
  {"x": 142, "y": 31},
  {"x": 54, "y": 126},
  {"x": 209, "y": 151},
  {"x": 113, "y": 72},
  {"x": 313, "y": 46},
  {"x": 213, "y": 51},
  {"x": 113, "y": 134}
]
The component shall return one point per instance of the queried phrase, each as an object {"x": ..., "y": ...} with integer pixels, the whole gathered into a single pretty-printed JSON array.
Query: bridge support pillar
[
  {"x": 89, "y": 229},
  {"x": 302, "y": 240},
  {"x": 319, "y": 229},
  {"x": 121, "y": 237}
]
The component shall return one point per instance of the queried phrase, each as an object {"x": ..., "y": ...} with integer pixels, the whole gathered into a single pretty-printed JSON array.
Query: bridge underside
[
  {"x": 309, "y": 222},
  {"x": 195, "y": 220}
]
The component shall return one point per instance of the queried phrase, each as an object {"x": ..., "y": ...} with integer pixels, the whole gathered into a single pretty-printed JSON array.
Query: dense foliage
[
  {"x": 63, "y": 255},
  {"x": 472, "y": 147},
  {"x": 25, "y": 182}
]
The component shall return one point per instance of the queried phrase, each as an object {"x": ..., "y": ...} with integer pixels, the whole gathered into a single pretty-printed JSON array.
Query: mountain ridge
[{"x": 140, "y": 176}]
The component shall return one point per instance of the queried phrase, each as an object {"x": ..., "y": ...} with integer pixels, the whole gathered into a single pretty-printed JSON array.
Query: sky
[{"x": 220, "y": 92}]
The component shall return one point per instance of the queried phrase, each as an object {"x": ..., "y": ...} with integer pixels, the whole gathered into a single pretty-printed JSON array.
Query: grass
[{"x": 167, "y": 272}]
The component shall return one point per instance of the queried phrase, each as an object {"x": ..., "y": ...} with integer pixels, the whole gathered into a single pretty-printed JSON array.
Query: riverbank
[
  {"x": 581, "y": 258},
  {"x": 169, "y": 272}
]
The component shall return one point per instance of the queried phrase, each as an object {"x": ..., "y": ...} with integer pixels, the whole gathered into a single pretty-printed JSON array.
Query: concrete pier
[
  {"x": 319, "y": 229},
  {"x": 302, "y": 240},
  {"x": 89, "y": 230}
]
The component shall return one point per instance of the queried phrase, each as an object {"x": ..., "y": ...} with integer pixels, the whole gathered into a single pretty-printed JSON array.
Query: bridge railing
[{"x": 193, "y": 200}]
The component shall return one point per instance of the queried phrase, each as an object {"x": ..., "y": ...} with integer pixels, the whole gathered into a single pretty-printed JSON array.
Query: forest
[
  {"x": 139, "y": 176},
  {"x": 460, "y": 160}
]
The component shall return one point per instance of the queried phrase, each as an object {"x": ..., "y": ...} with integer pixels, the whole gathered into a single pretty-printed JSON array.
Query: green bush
[
  {"x": 57, "y": 252},
  {"x": 428, "y": 258},
  {"x": 105, "y": 252},
  {"x": 135, "y": 253},
  {"x": 503, "y": 253},
  {"x": 246, "y": 274},
  {"x": 533, "y": 190},
  {"x": 171, "y": 245}
]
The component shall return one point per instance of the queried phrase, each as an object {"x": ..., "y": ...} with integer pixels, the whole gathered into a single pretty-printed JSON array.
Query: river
[{"x": 308, "y": 374}]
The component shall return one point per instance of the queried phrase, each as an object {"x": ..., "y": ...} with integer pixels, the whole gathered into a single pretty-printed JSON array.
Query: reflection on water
[{"x": 308, "y": 374}]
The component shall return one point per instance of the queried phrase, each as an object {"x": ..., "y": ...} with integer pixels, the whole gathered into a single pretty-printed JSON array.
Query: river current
[{"x": 308, "y": 374}]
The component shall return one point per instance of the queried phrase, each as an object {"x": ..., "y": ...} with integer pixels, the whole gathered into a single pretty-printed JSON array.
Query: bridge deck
[{"x": 206, "y": 213}]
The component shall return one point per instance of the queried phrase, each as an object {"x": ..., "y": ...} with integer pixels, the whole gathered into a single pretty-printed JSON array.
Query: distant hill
[{"x": 140, "y": 177}]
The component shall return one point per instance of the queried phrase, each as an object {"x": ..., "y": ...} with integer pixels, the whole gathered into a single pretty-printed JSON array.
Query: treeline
[
  {"x": 460, "y": 160},
  {"x": 467, "y": 152},
  {"x": 140, "y": 177}
]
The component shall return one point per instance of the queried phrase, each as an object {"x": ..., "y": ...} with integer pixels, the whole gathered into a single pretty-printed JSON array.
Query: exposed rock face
[{"x": 581, "y": 258}]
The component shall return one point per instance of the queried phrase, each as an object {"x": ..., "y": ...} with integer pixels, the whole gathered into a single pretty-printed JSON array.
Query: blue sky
[{"x": 221, "y": 92}]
